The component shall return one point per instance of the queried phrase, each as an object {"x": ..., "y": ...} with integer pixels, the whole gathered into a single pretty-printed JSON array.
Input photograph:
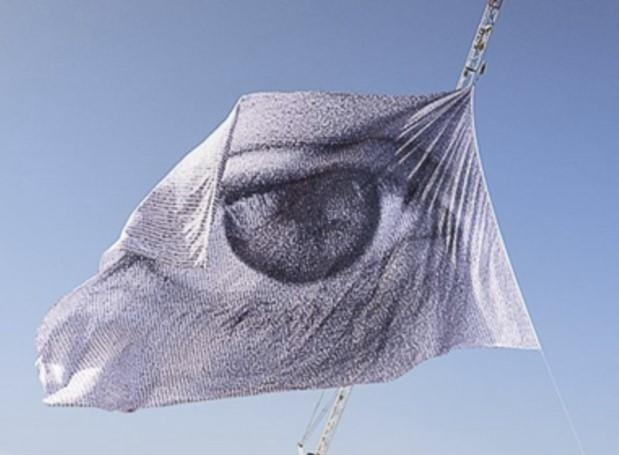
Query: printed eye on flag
[{"x": 313, "y": 240}]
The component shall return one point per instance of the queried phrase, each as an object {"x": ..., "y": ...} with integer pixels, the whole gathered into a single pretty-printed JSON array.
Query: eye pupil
[{"x": 305, "y": 230}]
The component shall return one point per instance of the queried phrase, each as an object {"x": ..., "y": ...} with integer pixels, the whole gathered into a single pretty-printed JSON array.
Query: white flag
[{"x": 313, "y": 240}]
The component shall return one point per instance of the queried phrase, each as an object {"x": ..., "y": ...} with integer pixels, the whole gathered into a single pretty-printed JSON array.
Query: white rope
[
  {"x": 319, "y": 419},
  {"x": 551, "y": 375},
  {"x": 314, "y": 419},
  {"x": 566, "y": 411}
]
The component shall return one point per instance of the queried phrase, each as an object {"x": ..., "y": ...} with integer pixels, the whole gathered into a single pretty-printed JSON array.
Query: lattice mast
[
  {"x": 337, "y": 409},
  {"x": 474, "y": 67},
  {"x": 475, "y": 64}
]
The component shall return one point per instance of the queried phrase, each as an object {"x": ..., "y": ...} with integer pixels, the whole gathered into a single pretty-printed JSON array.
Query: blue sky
[{"x": 98, "y": 100}]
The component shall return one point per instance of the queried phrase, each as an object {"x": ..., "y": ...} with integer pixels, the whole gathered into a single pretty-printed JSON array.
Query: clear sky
[{"x": 98, "y": 100}]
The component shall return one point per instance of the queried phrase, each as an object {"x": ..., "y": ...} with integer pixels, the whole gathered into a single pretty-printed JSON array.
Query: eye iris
[{"x": 305, "y": 230}]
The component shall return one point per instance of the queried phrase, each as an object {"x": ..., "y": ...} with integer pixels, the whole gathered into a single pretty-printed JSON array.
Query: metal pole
[
  {"x": 334, "y": 418},
  {"x": 473, "y": 68},
  {"x": 475, "y": 64}
]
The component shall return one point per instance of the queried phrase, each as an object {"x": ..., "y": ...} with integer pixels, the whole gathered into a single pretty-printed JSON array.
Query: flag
[{"x": 312, "y": 240}]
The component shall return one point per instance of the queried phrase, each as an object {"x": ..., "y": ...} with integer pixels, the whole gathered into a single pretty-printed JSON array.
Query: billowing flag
[{"x": 312, "y": 240}]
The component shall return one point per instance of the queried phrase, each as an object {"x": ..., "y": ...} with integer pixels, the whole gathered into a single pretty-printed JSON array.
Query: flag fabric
[{"x": 312, "y": 240}]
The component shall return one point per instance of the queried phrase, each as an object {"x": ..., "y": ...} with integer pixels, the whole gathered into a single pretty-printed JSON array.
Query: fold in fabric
[{"x": 312, "y": 240}]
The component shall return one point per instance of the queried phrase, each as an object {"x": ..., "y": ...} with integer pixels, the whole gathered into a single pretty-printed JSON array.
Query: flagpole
[
  {"x": 337, "y": 409},
  {"x": 475, "y": 64},
  {"x": 474, "y": 67}
]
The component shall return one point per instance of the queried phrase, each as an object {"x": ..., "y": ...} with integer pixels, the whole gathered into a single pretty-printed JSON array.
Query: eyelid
[{"x": 270, "y": 166}]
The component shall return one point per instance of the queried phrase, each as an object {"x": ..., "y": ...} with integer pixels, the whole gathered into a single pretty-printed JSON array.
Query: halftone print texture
[{"x": 312, "y": 240}]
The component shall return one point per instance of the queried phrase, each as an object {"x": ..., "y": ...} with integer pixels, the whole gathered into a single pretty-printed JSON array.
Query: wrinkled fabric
[{"x": 312, "y": 240}]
